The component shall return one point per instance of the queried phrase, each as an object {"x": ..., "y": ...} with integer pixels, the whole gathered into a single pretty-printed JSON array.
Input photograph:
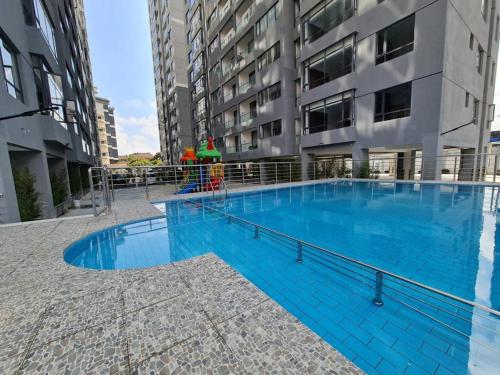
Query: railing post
[
  {"x": 112, "y": 185},
  {"x": 275, "y": 173},
  {"x": 146, "y": 182},
  {"x": 175, "y": 178},
  {"x": 290, "y": 172},
  {"x": 495, "y": 168},
  {"x": 256, "y": 235},
  {"x": 377, "y": 300},
  {"x": 314, "y": 169},
  {"x": 92, "y": 192},
  {"x": 299, "y": 252},
  {"x": 243, "y": 174},
  {"x": 324, "y": 169},
  {"x": 454, "y": 168}
]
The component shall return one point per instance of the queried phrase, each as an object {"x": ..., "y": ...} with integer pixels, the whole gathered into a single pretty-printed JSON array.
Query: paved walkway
[{"x": 192, "y": 317}]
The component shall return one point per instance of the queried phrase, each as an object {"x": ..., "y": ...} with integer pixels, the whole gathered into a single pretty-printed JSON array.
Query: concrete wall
[{"x": 28, "y": 142}]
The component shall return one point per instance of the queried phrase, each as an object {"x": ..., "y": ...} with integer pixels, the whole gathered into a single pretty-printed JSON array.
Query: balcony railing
[
  {"x": 245, "y": 118},
  {"x": 225, "y": 9},
  {"x": 248, "y": 147},
  {"x": 224, "y": 40},
  {"x": 229, "y": 96},
  {"x": 245, "y": 86},
  {"x": 229, "y": 124},
  {"x": 245, "y": 18}
]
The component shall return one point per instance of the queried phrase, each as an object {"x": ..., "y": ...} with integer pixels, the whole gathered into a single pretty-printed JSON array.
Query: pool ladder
[{"x": 222, "y": 182}]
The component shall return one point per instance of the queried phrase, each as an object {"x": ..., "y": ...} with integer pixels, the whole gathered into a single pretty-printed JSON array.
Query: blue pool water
[{"x": 443, "y": 236}]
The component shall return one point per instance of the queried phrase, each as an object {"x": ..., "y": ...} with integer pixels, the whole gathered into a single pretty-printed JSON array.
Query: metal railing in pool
[{"x": 385, "y": 284}]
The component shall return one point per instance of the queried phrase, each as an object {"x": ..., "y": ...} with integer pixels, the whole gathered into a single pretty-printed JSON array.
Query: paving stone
[
  {"x": 205, "y": 353},
  {"x": 10, "y": 365},
  {"x": 205, "y": 271},
  {"x": 78, "y": 313},
  {"x": 142, "y": 289},
  {"x": 267, "y": 338},
  {"x": 229, "y": 299},
  {"x": 102, "y": 350},
  {"x": 158, "y": 327},
  {"x": 17, "y": 328}
]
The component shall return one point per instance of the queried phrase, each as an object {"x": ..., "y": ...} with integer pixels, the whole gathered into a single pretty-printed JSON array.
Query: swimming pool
[{"x": 441, "y": 235}]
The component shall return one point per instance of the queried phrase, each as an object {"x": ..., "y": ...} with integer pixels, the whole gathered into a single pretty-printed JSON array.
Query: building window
[
  {"x": 479, "y": 59},
  {"x": 484, "y": 9},
  {"x": 196, "y": 43},
  {"x": 45, "y": 25},
  {"x": 329, "y": 64},
  {"x": 216, "y": 96},
  {"x": 395, "y": 40},
  {"x": 8, "y": 59},
  {"x": 392, "y": 103},
  {"x": 271, "y": 129},
  {"x": 212, "y": 18},
  {"x": 493, "y": 73},
  {"x": 331, "y": 113},
  {"x": 270, "y": 93},
  {"x": 326, "y": 16},
  {"x": 49, "y": 90},
  {"x": 268, "y": 57},
  {"x": 471, "y": 41},
  {"x": 214, "y": 44},
  {"x": 215, "y": 71},
  {"x": 268, "y": 19},
  {"x": 467, "y": 95},
  {"x": 497, "y": 26},
  {"x": 475, "y": 112}
]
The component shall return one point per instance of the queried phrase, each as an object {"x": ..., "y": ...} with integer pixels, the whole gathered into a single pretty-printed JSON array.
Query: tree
[
  {"x": 134, "y": 162},
  {"x": 157, "y": 157},
  {"x": 59, "y": 188},
  {"x": 27, "y": 196}
]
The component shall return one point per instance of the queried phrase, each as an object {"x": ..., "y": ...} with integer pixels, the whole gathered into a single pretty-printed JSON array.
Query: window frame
[
  {"x": 322, "y": 56},
  {"x": 342, "y": 98},
  {"x": 382, "y": 57},
  {"x": 387, "y": 116},
  {"x": 13, "y": 68}
]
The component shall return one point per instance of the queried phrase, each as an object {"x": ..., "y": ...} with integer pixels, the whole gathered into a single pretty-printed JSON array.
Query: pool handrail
[{"x": 377, "y": 270}]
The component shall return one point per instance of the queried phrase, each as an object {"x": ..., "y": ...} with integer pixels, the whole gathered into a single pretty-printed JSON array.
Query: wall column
[{"x": 359, "y": 156}]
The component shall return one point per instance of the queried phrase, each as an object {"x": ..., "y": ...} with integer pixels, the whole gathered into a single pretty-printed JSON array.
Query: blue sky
[{"x": 122, "y": 67}]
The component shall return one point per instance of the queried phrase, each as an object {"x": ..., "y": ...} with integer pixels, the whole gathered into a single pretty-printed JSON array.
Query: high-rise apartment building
[
  {"x": 45, "y": 67},
  {"x": 275, "y": 79},
  {"x": 106, "y": 131},
  {"x": 168, "y": 39}
]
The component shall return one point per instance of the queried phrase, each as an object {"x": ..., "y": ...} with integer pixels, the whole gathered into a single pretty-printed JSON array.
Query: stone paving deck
[{"x": 193, "y": 317}]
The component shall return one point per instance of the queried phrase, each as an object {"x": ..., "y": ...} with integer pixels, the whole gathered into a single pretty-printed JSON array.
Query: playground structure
[{"x": 202, "y": 171}]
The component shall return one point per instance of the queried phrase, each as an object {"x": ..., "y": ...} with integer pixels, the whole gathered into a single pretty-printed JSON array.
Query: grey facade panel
[{"x": 43, "y": 143}]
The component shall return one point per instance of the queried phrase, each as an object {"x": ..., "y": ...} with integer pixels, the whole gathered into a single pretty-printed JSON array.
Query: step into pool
[{"x": 442, "y": 236}]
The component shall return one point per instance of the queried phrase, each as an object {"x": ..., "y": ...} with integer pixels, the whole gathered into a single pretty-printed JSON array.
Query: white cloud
[{"x": 137, "y": 134}]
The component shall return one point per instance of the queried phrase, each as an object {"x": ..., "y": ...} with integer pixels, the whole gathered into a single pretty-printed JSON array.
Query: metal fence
[{"x": 154, "y": 182}]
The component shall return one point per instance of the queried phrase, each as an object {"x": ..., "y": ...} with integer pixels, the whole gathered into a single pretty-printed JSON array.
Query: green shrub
[
  {"x": 59, "y": 188},
  {"x": 364, "y": 170},
  {"x": 27, "y": 196}
]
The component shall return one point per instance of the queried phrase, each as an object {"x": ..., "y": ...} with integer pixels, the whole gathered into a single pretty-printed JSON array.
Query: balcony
[
  {"x": 243, "y": 14},
  {"x": 248, "y": 147},
  {"x": 247, "y": 117},
  {"x": 226, "y": 38},
  {"x": 224, "y": 8}
]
